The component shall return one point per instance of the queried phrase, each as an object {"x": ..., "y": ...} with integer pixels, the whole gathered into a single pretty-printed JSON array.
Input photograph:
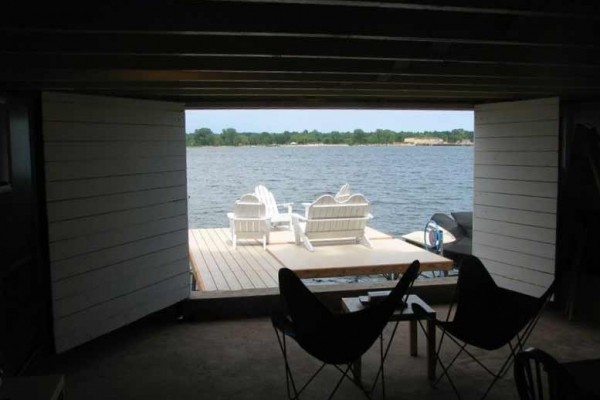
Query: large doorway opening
[{"x": 408, "y": 164}]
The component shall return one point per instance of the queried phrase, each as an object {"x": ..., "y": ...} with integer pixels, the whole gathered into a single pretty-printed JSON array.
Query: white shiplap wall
[
  {"x": 516, "y": 186},
  {"x": 117, "y": 211}
]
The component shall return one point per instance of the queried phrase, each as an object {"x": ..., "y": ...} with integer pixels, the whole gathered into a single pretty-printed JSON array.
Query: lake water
[{"x": 405, "y": 185}]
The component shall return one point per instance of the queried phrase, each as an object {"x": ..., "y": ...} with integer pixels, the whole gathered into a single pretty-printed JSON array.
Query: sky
[{"x": 327, "y": 120}]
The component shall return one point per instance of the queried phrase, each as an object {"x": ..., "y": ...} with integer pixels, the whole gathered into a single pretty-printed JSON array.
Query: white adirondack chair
[
  {"x": 277, "y": 218},
  {"x": 344, "y": 193},
  {"x": 328, "y": 219},
  {"x": 249, "y": 221}
]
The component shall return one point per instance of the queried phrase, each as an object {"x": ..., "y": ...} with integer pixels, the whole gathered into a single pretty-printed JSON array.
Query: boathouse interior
[{"x": 94, "y": 271}]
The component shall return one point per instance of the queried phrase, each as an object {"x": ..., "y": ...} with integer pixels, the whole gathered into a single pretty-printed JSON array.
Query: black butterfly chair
[
  {"x": 487, "y": 317},
  {"x": 335, "y": 339},
  {"x": 539, "y": 376}
]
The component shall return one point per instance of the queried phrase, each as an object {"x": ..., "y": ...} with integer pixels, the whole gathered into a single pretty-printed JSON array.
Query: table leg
[
  {"x": 431, "y": 360},
  {"x": 413, "y": 338},
  {"x": 357, "y": 369}
]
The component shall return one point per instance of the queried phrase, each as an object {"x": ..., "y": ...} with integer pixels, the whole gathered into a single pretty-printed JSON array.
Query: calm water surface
[{"x": 405, "y": 185}]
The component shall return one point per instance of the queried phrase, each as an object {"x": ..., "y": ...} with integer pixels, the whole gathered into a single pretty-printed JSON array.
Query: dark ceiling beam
[
  {"x": 351, "y": 92},
  {"x": 329, "y": 94},
  {"x": 305, "y": 20},
  {"x": 292, "y": 95},
  {"x": 177, "y": 77},
  {"x": 312, "y": 103},
  {"x": 557, "y": 9},
  {"x": 132, "y": 45},
  {"x": 16, "y": 63},
  {"x": 337, "y": 103},
  {"x": 175, "y": 86}
]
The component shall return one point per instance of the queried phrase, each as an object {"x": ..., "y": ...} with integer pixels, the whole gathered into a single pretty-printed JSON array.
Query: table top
[
  {"x": 386, "y": 256},
  {"x": 287, "y": 236},
  {"x": 353, "y": 304}
]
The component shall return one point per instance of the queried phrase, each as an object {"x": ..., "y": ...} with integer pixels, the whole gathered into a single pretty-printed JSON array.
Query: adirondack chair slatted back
[
  {"x": 249, "y": 215},
  {"x": 344, "y": 193},
  {"x": 329, "y": 219},
  {"x": 268, "y": 199},
  {"x": 248, "y": 220},
  {"x": 328, "y": 216}
]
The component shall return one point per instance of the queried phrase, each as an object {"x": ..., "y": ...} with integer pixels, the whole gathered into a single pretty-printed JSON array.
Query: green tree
[
  {"x": 215, "y": 140},
  {"x": 359, "y": 136},
  {"x": 228, "y": 136},
  {"x": 201, "y": 137},
  {"x": 265, "y": 138},
  {"x": 241, "y": 140}
]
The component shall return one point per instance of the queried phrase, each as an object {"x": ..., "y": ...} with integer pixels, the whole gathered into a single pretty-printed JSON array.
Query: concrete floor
[{"x": 159, "y": 358}]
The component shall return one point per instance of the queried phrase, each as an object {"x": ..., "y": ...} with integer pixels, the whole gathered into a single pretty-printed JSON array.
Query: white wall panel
[
  {"x": 67, "y": 170},
  {"x": 516, "y": 175},
  {"x": 525, "y": 188},
  {"x": 117, "y": 210}
]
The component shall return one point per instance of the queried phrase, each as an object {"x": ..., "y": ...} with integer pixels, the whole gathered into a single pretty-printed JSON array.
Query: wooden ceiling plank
[
  {"x": 517, "y": 7},
  {"x": 177, "y": 78},
  {"x": 304, "y": 20},
  {"x": 299, "y": 66},
  {"x": 136, "y": 45}
]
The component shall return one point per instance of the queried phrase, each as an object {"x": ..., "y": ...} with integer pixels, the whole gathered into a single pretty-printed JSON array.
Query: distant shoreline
[{"x": 353, "y": 145}]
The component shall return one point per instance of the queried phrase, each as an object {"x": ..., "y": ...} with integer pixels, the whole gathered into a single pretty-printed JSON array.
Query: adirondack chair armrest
[
  {"x": 232, "y": 217},
  {"x": 267, "y": 219},
  {"x": 298, "y": 217},
  {"x": 298, "y": 233},
  {"x": 286, "y": 205},
  {"x": 306, "y": 205}
]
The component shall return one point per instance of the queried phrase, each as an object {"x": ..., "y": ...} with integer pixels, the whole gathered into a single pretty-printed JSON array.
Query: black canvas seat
[
  {"x": 487, "y": 317},
  {"x": 334, "y": 339}
]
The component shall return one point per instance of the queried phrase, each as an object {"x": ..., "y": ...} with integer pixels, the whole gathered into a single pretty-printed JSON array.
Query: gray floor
[{"x": 158, "y": 358}]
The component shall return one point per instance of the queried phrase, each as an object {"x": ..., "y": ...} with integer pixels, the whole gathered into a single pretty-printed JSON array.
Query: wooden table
[
  {"x": 352, "y": 304},
  {"x": 384, "y": 257}
]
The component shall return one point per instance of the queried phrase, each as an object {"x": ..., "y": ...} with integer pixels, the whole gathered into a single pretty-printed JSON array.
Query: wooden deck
[{"x": 217, "y": 267}]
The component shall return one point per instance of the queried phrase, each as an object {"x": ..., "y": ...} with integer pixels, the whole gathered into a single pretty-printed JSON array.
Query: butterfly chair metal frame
[
  {"x": 320, "y": 332},
  {"x": 530, "y": 367},
  {"x": 473, "y": 273}
]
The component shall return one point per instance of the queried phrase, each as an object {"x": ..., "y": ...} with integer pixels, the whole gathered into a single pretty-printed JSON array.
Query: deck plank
[
  {"x": 229, "y": 256},
  {"x": 269, "y": 263},
  {"x": 202, "y": 276},
  {"x": 220, "y": 283},
  {"x": 221, "y": 263},
  {"x": 243, "y": 264},
  {"x": 201, "y": 265},
  {"x": 218, "y": 276},
  {"x": 248, "y": 262},
  {"x": 219, "y": 268}
]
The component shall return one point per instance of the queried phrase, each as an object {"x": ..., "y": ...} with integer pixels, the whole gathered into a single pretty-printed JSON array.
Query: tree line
[{"x": 231, "y": 137}]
